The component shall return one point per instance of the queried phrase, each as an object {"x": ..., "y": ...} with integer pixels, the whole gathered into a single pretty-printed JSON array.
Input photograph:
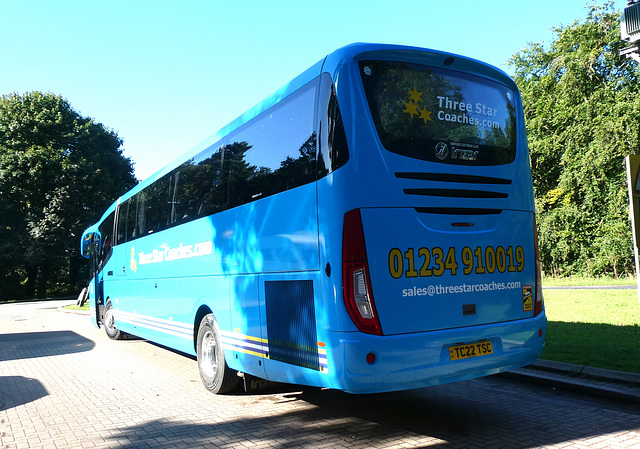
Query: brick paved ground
[{"x": 63, "y": 384}]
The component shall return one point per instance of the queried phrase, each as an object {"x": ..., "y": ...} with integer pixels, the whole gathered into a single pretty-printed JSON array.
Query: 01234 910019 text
[{"x": 427, "y": 262}]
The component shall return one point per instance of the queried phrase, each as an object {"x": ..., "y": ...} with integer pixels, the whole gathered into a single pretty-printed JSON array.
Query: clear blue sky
[{"x": 167, "y": 74}]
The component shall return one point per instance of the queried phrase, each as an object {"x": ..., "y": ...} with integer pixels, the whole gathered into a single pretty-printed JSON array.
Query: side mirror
[{"x": 85, "y": 245}]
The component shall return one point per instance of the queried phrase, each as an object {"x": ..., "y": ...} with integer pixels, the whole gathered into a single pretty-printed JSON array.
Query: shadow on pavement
[
  {"x": 42, "y": 344},
  {"x": 447, "y": 416},
  {"x": 19, "y": 390}
]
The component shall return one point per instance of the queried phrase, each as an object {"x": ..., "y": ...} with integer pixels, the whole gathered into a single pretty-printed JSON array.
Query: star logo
[
  {"x": 415, "y": 96},
  {"x": 133, "y": 264},
  {"x": 425, "y": 115},
  {"x": 411, "y": 107}
]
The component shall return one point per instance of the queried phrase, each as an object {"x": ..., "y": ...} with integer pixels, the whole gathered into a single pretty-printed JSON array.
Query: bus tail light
[
  {"x": 538, "y": 305},
  {"x": 361, "y": 294},
  {"x": 356, "y": 282}
]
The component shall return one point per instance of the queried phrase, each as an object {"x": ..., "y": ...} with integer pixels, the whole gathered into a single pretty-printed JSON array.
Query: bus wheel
[
  {"x": 110, "y": 324},
  {"x": 214, "y": 372}
]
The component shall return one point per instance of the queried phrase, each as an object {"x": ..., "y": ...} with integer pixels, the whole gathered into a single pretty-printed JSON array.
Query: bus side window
[
  {"x": 204, "y": 182},
  {"x": 175, "y": 204},
  {"x": 274, "y": 152},
  {"x": 194, "y": 192},
  {"x": 158, "y": 205},
  {"x": 271, "y": 154},
  {"x": 106, "y": 239},
  {"x": 131, "y": 218},
  {"x": 121, "y": 234},
  {"x": 334, "y": 152},
  {"x": 338, "y": 149},
  {"x": 141, "y": 222}
]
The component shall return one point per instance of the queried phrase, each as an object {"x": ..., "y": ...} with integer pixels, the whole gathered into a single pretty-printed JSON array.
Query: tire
[
  {"x": 110, "y": 325},
  {"x": 214, "y": 372}
]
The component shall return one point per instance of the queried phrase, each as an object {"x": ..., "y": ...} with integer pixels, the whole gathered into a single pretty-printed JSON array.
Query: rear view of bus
[{"x": 440, "y": 271}]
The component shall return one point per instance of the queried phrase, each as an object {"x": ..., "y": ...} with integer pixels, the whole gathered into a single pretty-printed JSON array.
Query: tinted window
[
  {"x": 122, "y": 222},
  {"x": 198, "y": 189},
  {"x": 132, "y": 215},
  {"x": 338, "y": 152},
  {"x": 334, "y": 152},
  {"x": 158, "y": 205},
  {"x": 440, "y": 115},
  {"x": 105, "y": 230},
  {"x": 272, "y": 153}
]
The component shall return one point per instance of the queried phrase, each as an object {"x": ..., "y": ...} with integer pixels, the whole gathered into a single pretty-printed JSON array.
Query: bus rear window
[{"x": 440, "y": 115}]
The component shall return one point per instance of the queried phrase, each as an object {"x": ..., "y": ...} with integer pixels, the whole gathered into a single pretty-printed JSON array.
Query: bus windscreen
[{"x": 440, "y": 115}]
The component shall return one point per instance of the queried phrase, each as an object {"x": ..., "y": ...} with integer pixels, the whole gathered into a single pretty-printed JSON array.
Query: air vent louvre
[
  {"x": 456, "y": 193},
  {"x": 457, "y": 211},
  {"x": 448, "y": 177}
]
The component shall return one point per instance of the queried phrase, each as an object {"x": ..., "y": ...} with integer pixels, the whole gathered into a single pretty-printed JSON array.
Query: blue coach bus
[{"x": 368, "y": 228}]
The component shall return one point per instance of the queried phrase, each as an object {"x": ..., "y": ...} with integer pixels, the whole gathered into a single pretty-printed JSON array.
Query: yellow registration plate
[{"x": 471, "y": 350}]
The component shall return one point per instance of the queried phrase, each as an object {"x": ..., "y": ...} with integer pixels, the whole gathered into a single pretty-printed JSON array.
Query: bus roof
[{"x": 331, "y": 64}]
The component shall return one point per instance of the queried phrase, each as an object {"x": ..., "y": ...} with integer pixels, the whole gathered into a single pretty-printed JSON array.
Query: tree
[
  {"x": 582, "y": 111},
  {"x": 58, "y": 173}
]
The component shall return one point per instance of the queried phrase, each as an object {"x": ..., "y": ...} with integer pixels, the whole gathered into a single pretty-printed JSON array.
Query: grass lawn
[
  {"x": 599, "y": 328},
  {"x": 85, "y": 307}
]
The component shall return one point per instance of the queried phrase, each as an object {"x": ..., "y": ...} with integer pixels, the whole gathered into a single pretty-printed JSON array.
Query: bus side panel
[
  {"x": 211, "y": 292},
  {"x": 166, "y": 311},
  {"x": 245, "y": 347},
  {"x": 166, "y": 314},
  {"x": 124, "y": 299},
  {"x": 333, "y": 200},
  {"x": 278, "y": 233},
  {"x": 259, "y": 238},
  {"x": 175, "y": 268},
  {"x": 297, "y": 350}
]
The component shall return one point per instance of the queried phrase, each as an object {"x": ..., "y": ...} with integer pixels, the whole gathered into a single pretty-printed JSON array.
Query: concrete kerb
[
  {"x": 611, "y": 375},
  {"x": 595, "y": 381}
]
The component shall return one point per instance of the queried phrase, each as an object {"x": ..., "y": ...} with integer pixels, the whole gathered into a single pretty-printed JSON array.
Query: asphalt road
[{"x": 64, "y": 384}]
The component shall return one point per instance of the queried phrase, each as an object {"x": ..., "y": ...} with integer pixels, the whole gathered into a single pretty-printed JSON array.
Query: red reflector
[
  {"x": 371, "y": 358},
  {"x": 353, "y": 247}
]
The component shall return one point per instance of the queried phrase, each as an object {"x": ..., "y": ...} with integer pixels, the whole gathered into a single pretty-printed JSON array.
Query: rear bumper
[{"x": 422, "y": 359}]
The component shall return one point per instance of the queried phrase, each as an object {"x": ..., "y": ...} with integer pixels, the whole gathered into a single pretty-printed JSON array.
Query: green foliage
[
  {"x": 582, "y": 110},
  {"x": 58, "y": 172}
]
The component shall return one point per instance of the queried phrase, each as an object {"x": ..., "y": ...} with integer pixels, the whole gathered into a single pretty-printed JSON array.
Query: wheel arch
[
  {"x": 100, "y": 308},
  {"x": 215, "y": 374},
  {"x": 203, "y": 310}
]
